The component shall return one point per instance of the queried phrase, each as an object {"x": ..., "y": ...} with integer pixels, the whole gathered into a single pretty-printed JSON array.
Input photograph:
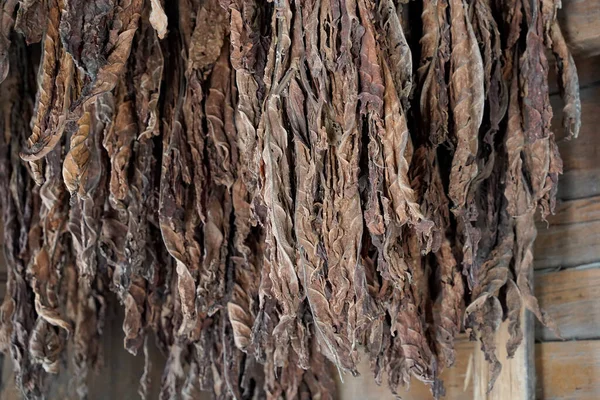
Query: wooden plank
[
  {"x": 567, "y": 245},
  {"x": 587, "y": 71},
  {"x": 572, "y": 299},
  {"x": 516, "y": 380},
  {"x": 580, "y": 157},
  {"x": 568, "y": 370},
  {"x": 576, "y": 211},
  {"x": 571, "y": 237},
  {"x": 579, "y": 21}
]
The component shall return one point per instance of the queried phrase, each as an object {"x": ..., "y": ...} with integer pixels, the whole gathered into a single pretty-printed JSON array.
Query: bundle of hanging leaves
[{"x": 273, "y": 189}]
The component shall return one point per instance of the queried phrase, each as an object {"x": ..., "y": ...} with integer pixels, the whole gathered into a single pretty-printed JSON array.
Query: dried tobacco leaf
[
  {"x": 20, "y": 203},
  {"x": 466, "y": 101},
  {"x": 467, "y": 97},
  {"x": 7, "y": 22},
  {"x": 266, "y": 190},
  {"x": 53, "y": 97},
  {"x": 568, "y": 82},
  {"x": 31, "y": 19},
  {"x": 276, "y": 197},
  {"x": 158, "y": 19}
]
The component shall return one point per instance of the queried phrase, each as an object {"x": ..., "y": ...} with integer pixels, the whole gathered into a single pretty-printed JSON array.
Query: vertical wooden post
[{"x": 517, "y": 379}]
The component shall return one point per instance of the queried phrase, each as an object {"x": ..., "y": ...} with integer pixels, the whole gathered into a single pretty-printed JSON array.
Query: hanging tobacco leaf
[{"x": 267, "y": 188}]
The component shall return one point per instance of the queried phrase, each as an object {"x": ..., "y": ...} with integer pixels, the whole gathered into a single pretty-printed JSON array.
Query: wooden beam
[
  {"x": 579, "y": 21},
  {"x": 517, "y": 378},
  {"x": 571, "y": 237},
  {"x": 568, "y": 370},
  {"x": 572, "y": 299},
  {"x": 580, "y": 156},
  {"x": 587, "y": 72}
]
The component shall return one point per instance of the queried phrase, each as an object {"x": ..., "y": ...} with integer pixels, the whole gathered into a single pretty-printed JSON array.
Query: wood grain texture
[
  {"x": 572, "y": 236},
  {"x": 516, "y": 381},
  {"x": 572, "y": 298},
  {"x": 580, "y": 156},
  {"x": 587, "y": 71},
  {"x": 576, "y": 211},
  {"x": 579, "y": 20},
  {"x": 568, "y": 370}
]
